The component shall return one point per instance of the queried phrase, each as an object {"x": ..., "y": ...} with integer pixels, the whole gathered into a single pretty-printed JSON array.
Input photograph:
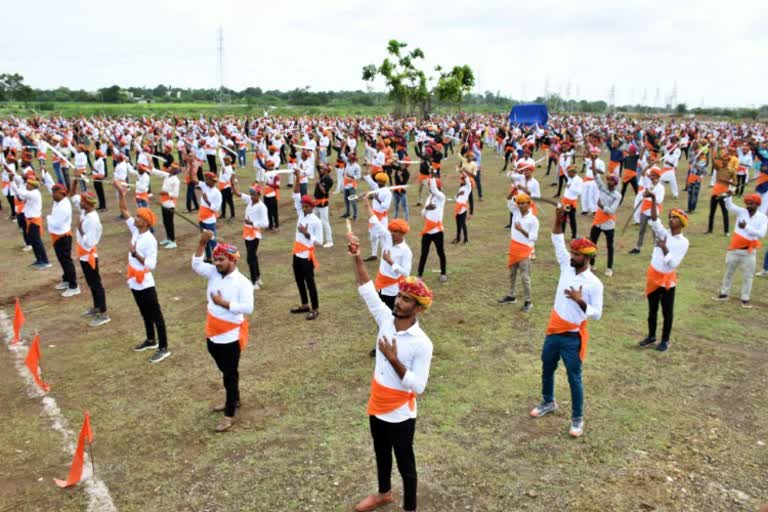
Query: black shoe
[
  {"x": 145, "y": 345},
  {"x": 663, "y": 346},
  {"x": 371, "y": 258},
  {"x": 526, "y": 307},
  {"x": 635, "y": 251},
  {"x": 507, "y": 300},
  {"x": 508, "y": 226},
  {"x": 455, "y": 241},
  {"x": 372, "y": 353},
  {"x": 465, "y": 242},
  {"x": 158, "y": 356},
  {"x": 647, "y": 341}
]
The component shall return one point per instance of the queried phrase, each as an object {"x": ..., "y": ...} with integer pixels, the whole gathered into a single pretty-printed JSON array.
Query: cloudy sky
[{"x": 715, "y": 52}]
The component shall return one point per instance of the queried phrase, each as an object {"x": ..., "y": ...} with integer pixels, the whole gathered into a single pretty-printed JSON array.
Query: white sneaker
[
  {"x": 328, "y": 245},
  {"x": 609, "y": 272},
  {"x": 762, "y": 273},
  {"x": 256, "y": 286},
  {"x": 62, "y": 286},
  {"x": 71, "y": 292},
  {"x": 27, "y": 248},
  {"x": 577, "y": 427},
  {"x": 171, "y": 245},
  {"x": 259, "y": 282},
  {"x": 164, "y": 242}
]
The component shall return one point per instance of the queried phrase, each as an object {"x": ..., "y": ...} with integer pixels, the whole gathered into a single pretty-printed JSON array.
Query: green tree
[
  {"x": 406, "y": 83},
  {"x": 681, "y": 109},
  {"x": 12, "y": 87},
  {"x": 111, "y": 94},
  {"x": 453, "y": 85}
]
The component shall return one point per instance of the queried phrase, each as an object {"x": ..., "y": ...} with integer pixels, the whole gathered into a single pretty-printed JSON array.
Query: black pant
[
  {"x": 471, "y": 200},
  {"x": 479, "y": 184},
  {"x": 560, "y": 182},
  {"x": 9, "y": 197},
  {"x": 461, "y": 225},
  {"x": 63, "y": 250},
  {"x": 192, "y": 197},
  {"x": 713, "y": 202},
  {"x": 251, "y": 248},
  {"x": 99, "y": 187},
  {"x": 633, "y": 183},
  {"x": 226, "y": 199},
  {"x": 21, "y": 221},
  {"x": 227, "y": 357},
  {"x": 594, "y": 235},
  {"x": 667, "y": 299},
  {"x": 570, "y": 215},
  {"x": 149, "y": 307},
  {"x": 212, "y": 163},
  {"x": 304, "y": 272},
  {"x": 389, "y": 300},
  {"x": 426, "y": 240},
  {"x": 397, "y": 437},
  {"x": 33, "y": 236},
  {"x": 170, "y": 229},
  {"x": 271, "y": 204},
  {"x": 93, "y": 279},
  {"x": 551, "y": 161}
]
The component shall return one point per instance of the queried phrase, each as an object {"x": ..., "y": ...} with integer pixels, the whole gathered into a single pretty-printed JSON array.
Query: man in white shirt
[
  {"x": 225, "y": 187},
  {"x": 33, "y": 215},
  {"x": 99, "y": 175},
  {"x": 661, "y": 278},
  {"x": 604, "y": 220},
  {"x": 579, "y": 297},
  {"x": 671, "y": 158},
  {"x": 230, "y": 304},
  {"x": 403, "y": 359},
  {"x": 169, "y": 195},
  {"x": 210, "y": 203},
  {"x": 523, "y": 235},
  {"x": 653, "y": 194},
  {"x": 142, "y": 260},
  {"x": 433, "y": 231},
  {"x": 382, "y": 200},
  {"x": 254, "y": 221},
  {"x": 751, "y": 226},
  {"x": 351, "y": 175},
  {"x": 60, "y": 227},
  {"x": 396, "y": 257},
  {"x": 309, "y": 232},
  {"x": 573, "y": 190}
]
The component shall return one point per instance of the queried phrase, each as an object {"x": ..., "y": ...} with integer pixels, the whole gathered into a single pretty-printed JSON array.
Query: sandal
[{"x": 300, "y": 309}]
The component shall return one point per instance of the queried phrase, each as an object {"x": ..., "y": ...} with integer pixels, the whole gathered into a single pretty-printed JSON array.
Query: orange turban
[
  {"x": 754, "y": 198},
  {"x": 381, "y": 177},
  {"x": 522, "y": 197},
  {"x": 398, "y": 225},
  {"x": 230, "y": 251},
  {"x": 584, "y": 246},
  {"x": 147, "y": 214},
  {"x": 416, "y": 288},
  {"x": 680, "y": 214}
]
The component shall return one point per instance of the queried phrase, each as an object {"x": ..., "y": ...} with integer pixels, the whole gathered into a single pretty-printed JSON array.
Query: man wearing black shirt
[
  {"x": 401, "y": 196},
  {"x": 323, "y": 187}
]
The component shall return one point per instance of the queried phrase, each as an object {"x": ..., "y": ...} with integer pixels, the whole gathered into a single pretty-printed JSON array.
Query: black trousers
[
  {"x": 149, "y": 307},
  {"x": 227, "y": 357},
  {"x": 63, "y": 250},
  {"x": 226, "y": 199},
  {"x": 33, "y": 236},
  {"x": 191, "y": 198},
  {"x": 397, "y": 437},
  {"x": 99, "y": 187},
  {"x": 170, "y": 229},
  {"x": 551, "y": 161},
  {"x": 570, "y": 217},
  {"x": 271, "y": 204},
  {"x": 426, "y": 241},
  {"x": 93, "y": 279},
  {"x": 594, "y": 235},
  {"x": 713, "y": 202},
  {"x": 304, "y": 272},
  {"x": 560, "y": 182},
  {"x": 9, "y": 197},
  {"x": 633, "y": 183},
  {"x": 667, "y": 299},
  {"x": 212, "y": 163},
  {"x": 461, "y": 226},
  {"x": 471, "y": 201},
  {"x": 251, "y": 249}
]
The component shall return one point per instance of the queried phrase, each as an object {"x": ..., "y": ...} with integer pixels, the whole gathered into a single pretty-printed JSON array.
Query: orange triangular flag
[
  {"x": 76, "y": 470},
  {"x": 33, "y": 363},
  {"x": 18, "y": 322}
]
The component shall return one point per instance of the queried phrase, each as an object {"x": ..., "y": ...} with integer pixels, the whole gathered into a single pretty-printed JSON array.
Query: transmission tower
[
  {"x": 221, "y": 64},
  {"x": 612, "y": 95}
]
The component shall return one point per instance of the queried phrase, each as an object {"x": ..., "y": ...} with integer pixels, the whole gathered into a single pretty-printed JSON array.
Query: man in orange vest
[
  {"x": 403, "y": 358},
  {"x": 523, "y": 235},
  {"x": 230, "y": 303},
  {"x": 579, "y": 298}
]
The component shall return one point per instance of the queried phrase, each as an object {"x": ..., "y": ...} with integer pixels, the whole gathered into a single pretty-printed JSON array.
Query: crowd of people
[{"x": 242, "y": 165}]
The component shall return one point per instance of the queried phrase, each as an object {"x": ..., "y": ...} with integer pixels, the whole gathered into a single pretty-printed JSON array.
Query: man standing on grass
[
  {"x": 309, "y": 232},
  {"x": 60, "y": 227},
  {"x": 579, "y": 298},
  {"x": 661, "y": 278},
  {"x": 403, "y": 358},
  {"x": 230, "y": 303},
  {"x": 524, "y": 233}
]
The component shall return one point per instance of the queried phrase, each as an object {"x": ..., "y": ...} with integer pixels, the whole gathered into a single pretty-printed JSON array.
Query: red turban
[
  {"x": 230, "y": 251},
  {"x": 398, "y": 225},
  {"x": 255, "y": 189},
  {"x": 307, "y": 199},
  {"x": 416, "y": 288},
  {"x": 59, "y": 188},
  {"x": 88, "y": 197},
  {"x": 210, "y": 176},
  {"x": 755, "y": 198},
  {"x": 584, "y": 246},
  {"x": 147, "y": 214}
]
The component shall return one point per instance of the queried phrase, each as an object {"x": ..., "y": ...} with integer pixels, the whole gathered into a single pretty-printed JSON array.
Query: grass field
[{"x": 681, "y": 431}]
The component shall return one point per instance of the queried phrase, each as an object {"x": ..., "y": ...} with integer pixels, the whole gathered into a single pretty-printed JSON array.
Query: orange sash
[
  {"x": 719, "y": 188},
  {"x": 534, "y": 209},
  {"x": 134, "y": 272},
  {"x": 628, "y": 175},
  {"x": 612, "y": 166},
  {"x": 223, "y": 184},
  {"x": 250, "y": 232},
  {"x": 98, "y": 176},
  {"x": 18, "y": 204},
  {"x": 215, "y": 326},
  {"x": 384, "y": 400},
  {"x": 350, "y": 182},
  {"x": 458, "y": 207},
  {"x": 91, "y": 255},
  {"x": 518, "y": 251},
  {"x": 762, "y": 178},
  {"x": 423, "y": 177},
  {"x": 300, "y": 247},
  {"x": 665, "y": 170},
  {"x": 55, "y": 237},
  {"x": 693, "y": 178},
  {"x": 436, "y": 166},
  {"x": 656, "y": 279},
  {"x": 379, "y": 215},
  {"x": 568, "y": 202},
  {"x": 321, "y": 203},
  {"x": 587, "y": 179},
  {"x": 206, "y": 213},
  {"x": 38, "y": 221},
  {"x": 429, "y": 225},
  {"x": 383, "y": 281},
  {"x": 142, "y": 196},
  {"x": 558, "y": 325},
  {"x": 375, "y": 169},
  {"x": 601, "y": 217},
  {"x": 740, "y": 242},
  {"x": 269, "y": 190},
  {"x": 646, "y": 207},
  {"x": 165, "y": 197}
]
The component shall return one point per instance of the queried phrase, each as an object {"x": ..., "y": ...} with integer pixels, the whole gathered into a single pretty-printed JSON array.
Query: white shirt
[
  {"x": 438, "y": 199},
  {"x": 757, "y": 224},
  {"x": 677, "y": 246},
  {"x": 671, "y": 159},
  {"x": 529, "y": 223},
  {"x": 92, "y": 229},
  {"x": 574, "y": 187},
  {"x": 170, "y": 186},
  {"x": 312, "y": 223},
  {"x": 80, "y": 161},
  {"x": 99, "y": 168},
  {"x": 213, "y": 203},
  {"x": 121, "y": 171},
  {"x": 33, "y": 201},
  {"x": 60, "y": 220},
  {"x": 225, "y": 177},
  {"x": 211, "y": 143},
  {"x": 352, "y": 171},
  {"x": 235, "y": 288},
  {"x": 146, "y": 247},
  {"x": 658, "y": 192},
  {"x": 592, "y": 288},
  {"x": 414, "y": 350},
  {"x": 256, "y": 213},
  {"x": 402, "y": 257},
  {"x": 462, "y": 198}
]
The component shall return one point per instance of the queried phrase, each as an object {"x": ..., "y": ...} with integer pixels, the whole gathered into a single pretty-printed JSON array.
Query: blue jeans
[
  {"x": 57, "y": 171},
  {"x": 765, "y": 262},
  {"x": 303, "y": 189},
  {"x": 693, "y": 195},
  {"x": 140, "y": 203},
  {"x": 558, "y": 346},
  {"x": 401, "y": 199},
  {"x": 211, "y": 245},
  {"x": 478, "y": 182},
  {"x": 347, "y": 203},
  {"x": 241, "y": 157}
]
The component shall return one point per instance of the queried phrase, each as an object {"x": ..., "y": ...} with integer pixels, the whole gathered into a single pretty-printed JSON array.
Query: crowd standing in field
[{"x": 204, "y": 161}]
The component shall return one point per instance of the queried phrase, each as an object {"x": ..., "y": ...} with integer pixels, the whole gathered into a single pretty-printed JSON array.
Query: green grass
[{"x": 694, "y": 414}]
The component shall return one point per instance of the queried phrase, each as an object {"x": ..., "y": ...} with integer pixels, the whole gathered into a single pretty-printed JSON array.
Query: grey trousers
[
  {"x": 739, "y": 259},
  {"x": 524, "y": 267}
]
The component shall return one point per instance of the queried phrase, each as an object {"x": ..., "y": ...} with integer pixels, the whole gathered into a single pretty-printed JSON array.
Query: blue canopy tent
[{"x": 527, "y": 114}]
